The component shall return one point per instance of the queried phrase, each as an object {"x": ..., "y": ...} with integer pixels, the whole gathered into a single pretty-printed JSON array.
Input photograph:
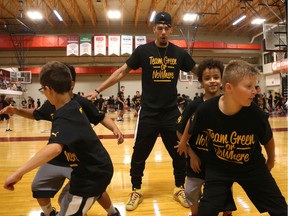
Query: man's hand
[{"x": 91, "y": 95}]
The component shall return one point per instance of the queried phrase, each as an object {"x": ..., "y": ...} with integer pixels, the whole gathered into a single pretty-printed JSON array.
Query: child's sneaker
[
  {"x": 180, "y": 197},
  {"x": 115, "y": 214},
  {"x": 136, "y": 197},
  {"x": 53, "y": 213}
]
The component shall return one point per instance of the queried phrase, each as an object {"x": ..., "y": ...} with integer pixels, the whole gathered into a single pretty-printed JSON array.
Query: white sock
[
  {"x": 47, "y": 209},
  {"x": 111, "y": 210}
]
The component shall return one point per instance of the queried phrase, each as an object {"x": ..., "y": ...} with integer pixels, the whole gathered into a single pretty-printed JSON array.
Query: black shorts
[{"x": 4, "y": 116}]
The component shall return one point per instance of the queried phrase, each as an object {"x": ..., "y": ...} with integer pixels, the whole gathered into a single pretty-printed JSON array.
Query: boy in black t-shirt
[
  {"x": 73, "y": 139},
  {"x": 209, "y": 73},
  {"x": 51, "y": 176},
  {"x": 136, "y": 100},
  {"x": 234, "y": 129}
]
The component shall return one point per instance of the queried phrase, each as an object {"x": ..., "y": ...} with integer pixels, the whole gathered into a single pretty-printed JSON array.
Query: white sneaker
[
  {"x": 180, "y": 197},
  {"x": 136, "y": 197}
]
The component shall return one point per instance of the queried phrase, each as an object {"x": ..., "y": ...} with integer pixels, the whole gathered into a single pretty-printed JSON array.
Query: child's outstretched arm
[
  {"x": 43, "y": 156},
  {"x": 26, "y": 113},
  {"x": 109, "y": 124}
]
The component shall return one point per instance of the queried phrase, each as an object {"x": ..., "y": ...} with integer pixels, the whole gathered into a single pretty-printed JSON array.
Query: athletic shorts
[
  {"x": 49, "y": 179},
  {"x": 4, "y": 116},
  {"x": 193, "y": 190},
  {"x": 75, "y": 205}
]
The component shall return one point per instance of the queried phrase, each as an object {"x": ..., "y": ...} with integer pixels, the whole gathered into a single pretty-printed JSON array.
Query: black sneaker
[
  {"x": 7, "y": 130},
  {"x": 115, "y": 214},
  {"x": 53, "y": 213}
]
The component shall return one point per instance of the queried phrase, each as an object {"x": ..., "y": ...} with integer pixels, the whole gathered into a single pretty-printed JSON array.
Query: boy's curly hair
[{"x": 210, "y": 64}]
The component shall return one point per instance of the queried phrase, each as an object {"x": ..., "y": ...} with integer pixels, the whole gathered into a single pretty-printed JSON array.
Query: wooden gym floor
[{"x": 28, "y": 136}]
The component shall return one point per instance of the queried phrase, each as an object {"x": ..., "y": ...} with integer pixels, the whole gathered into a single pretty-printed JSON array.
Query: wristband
[{"x": 97, "y": 91}]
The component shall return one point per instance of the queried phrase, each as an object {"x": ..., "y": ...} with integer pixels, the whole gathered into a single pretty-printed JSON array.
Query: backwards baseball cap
[{"x": 163, "y": 18}]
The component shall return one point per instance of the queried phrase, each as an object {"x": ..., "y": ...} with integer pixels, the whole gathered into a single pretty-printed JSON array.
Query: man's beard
[{"x": 163, "y": 44}]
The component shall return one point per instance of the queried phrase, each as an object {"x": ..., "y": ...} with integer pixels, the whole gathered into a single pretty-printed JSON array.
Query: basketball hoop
[{"x": 280, "y": 55}]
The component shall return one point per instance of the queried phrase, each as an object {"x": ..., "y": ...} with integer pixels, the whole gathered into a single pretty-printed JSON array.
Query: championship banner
[
  {"x": 126, "y": 44},
  {"x": 114, "y": 45},
  {"x": 100, "y": 45},
  {"x": 85, "y": 44},
  {"x": 139, "y": 40},
  {"x": 73, "y": 45}
]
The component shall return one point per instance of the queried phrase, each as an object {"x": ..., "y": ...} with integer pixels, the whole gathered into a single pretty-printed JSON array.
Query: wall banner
[
  {"x": 73, "y": 45},
  {"x": 114, "y": 45},
  {"x": 100, "y": 45},
  {"x": 139, "y": 40},
  {"x": 85, "y": 44},
  {"x": 126, "y": 44}
]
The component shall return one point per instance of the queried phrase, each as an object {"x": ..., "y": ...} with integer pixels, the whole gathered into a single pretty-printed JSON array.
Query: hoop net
[
  {"x": 280, "y": 56},
  {"x": 190, "y": 80}
]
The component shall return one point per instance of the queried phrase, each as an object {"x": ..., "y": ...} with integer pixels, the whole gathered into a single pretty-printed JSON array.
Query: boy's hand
[
  {"x": 195, "y": 163},
  {"x": 11, "y": 181},
  {"x": 8, "y": 110},
  {"x": 120, "y": 137},
  {"x": 182, "y": 148},
  {"x": 270, "y": 164}
]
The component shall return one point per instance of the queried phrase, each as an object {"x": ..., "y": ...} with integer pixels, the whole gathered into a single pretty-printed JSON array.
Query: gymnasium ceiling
[{"x": 89, "y": 16}]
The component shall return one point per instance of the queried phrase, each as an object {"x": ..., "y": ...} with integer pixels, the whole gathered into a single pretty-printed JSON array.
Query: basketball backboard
[
  {"x": 275, "y": 37},
  {"x": 20, "y": 76}
]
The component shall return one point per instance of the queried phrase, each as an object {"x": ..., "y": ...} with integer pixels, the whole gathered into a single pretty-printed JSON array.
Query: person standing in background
[
  {"x": 3, "y": 104},
  {"x": 38, "y": 103},
  {"x": 136, "y": 101}
]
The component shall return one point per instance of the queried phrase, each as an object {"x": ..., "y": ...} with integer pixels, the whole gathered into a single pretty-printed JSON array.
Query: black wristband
[{"x": 97, "y": 91}]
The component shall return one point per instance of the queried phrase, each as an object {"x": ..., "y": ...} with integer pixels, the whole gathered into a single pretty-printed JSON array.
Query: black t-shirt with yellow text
[
  {"x": 91, "y": 163},
  {"x": 160, "y": 72},
  {"x": 234, "y": 141}
]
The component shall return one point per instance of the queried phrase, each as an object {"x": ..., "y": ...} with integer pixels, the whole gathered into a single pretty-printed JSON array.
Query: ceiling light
[
  {"x": 239, "y": 20},
  {"x": 35, "y": 15},
  {"x": 58, "y": 15},
  {"x": 152, "y": 16},
  {"x": 113, "y": 14},
  {"x": 190, "y": 17},
  {"x": 258, "y": 21}
]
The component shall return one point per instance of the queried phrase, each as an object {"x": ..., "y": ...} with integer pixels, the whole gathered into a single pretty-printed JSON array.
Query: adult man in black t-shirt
[{"x": 161, "y": 62}]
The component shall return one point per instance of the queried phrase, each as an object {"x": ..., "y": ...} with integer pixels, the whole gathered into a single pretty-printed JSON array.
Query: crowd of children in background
[
  {"x": 271, "y": 103},
  {"x": 118, "y": 104},
  {"x": 276, "y": 104}
]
